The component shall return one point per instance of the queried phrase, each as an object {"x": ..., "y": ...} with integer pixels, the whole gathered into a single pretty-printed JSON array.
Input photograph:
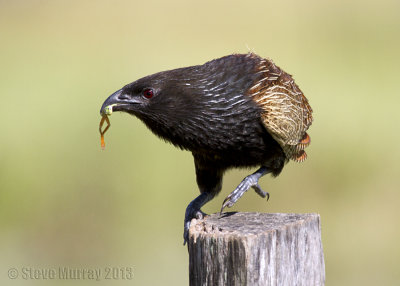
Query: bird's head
[
  {"x": 164, "y": 94},
  {"x": 133, "y": 98}
]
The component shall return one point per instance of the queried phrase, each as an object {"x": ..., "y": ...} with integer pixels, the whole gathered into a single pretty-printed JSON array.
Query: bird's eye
[{"x": 148, "y": 93}]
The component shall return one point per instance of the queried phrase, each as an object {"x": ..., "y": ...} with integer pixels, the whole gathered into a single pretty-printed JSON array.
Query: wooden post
[{"x": 256, "y": 249}]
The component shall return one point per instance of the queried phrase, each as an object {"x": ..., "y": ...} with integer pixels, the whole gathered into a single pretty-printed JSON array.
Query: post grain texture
[{"x": 256, "y": 249}]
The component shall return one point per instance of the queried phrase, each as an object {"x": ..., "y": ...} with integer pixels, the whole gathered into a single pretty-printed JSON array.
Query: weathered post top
[{"x": 256, "y": 249}]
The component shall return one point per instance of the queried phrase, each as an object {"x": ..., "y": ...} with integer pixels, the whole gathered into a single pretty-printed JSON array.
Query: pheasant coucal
[{"x": 236, "y": 111}]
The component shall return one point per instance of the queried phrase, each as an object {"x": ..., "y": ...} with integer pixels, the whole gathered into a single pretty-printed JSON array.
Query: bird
[{"x": 237, "y": 111}]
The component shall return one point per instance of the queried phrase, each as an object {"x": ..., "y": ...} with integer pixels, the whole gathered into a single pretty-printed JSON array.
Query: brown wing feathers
[{"x": 286, "y": 112}]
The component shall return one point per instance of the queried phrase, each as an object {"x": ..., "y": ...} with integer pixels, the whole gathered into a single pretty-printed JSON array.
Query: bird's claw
[
  {"x": 250, "y": 181},
  {"x": 260, "y": 192}
]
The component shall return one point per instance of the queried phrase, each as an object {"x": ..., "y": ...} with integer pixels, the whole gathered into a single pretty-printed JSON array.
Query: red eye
[{"x": 148, "y": 93}]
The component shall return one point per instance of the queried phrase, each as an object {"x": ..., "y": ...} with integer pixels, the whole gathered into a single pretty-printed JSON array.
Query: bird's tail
[{"x": 300, "y": 155}]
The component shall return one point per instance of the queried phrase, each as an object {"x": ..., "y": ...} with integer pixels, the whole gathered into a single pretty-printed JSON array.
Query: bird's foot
[
  {"x": 250, "y": 181},
  {"x": 191, "y": 213}
]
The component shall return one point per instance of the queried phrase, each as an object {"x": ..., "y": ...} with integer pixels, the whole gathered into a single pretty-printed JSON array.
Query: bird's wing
[{"x": 286, "y": 112}]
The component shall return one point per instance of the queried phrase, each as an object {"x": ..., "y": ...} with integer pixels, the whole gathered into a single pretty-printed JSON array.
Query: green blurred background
[{"x": 66, "y": 203}]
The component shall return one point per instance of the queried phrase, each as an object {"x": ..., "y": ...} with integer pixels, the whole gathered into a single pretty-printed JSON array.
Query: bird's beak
[{"x": 118, "y": 101}]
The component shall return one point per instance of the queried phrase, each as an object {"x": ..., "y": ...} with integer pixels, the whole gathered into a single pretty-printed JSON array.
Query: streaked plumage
[{"x": 286, "y": 112}]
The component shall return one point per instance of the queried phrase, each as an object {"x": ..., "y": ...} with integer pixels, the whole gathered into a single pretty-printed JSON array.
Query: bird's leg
[
  {"x": 250, "y": 181},
  {"x": 209, "y": 180},
  {"x": 193, "y": 211}
]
